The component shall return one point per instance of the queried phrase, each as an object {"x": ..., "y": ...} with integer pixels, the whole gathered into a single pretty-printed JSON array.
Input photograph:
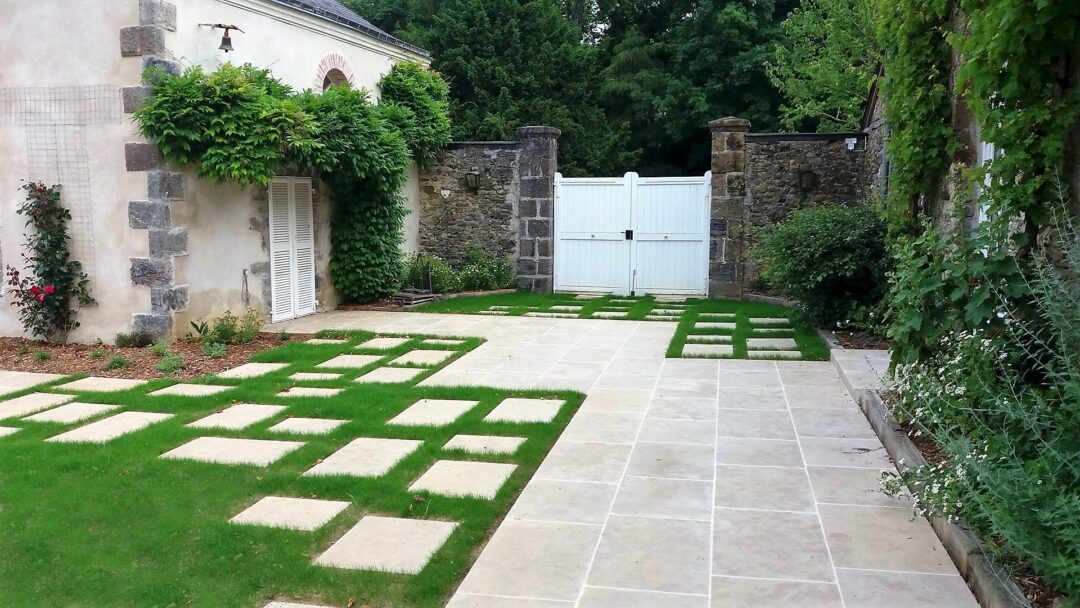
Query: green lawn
[
  {"x": 811, "y": 346},
  {"x": 115, "y": 525}
]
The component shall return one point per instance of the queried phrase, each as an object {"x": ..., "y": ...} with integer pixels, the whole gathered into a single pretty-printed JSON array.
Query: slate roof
[{"x": 332, "y": 10}]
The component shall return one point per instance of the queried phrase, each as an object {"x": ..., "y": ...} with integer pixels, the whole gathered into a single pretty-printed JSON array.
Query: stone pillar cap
[
  {"x": 539, "y": 131},
  {"x": 729, "y": 123}
]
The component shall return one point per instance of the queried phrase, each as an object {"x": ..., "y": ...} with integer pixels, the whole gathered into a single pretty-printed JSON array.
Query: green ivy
[{"x": 417, "y": 100}]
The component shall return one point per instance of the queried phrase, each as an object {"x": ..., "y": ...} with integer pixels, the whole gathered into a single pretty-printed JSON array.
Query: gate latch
[{"x": 629, "y": 235}]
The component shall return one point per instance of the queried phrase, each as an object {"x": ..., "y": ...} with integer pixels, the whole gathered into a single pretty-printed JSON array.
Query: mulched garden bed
[
  {"x": 861, "y": 340},
  {"x": 20, "y": 354}
]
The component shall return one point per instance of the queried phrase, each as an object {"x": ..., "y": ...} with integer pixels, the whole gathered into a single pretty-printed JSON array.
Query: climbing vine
[{"x": 240, "y": 124}]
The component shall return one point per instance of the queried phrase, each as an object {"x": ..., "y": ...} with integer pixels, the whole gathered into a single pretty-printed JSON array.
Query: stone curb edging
[{"x": 992, "y": 586}]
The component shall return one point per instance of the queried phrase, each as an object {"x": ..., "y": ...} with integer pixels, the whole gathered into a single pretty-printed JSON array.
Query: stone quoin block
[
  {"x": 133, "y": 98},
  {"x": 143, "y": 215},
  {"x": 527, "y": 248},
  {"x": 139, "y": 40},
  {"x": 165, "y": 300},
  {"x": 539, "y": 227},
  {"x": 165, "y": 185},
  {"x": 155, "y": 325},
  {"x": 142, "y": 156},
  {"x": 169, "y": 66},
  {"x": 526, "y": 266},
  {"x": 543, "y": 248},
  {"x": 158, "y": 12},
  {"x": 151, "y": 272},
  {"x": 537, "y": 188},
  {"x": 165, "y": 243},
  {"x": 544, "y": 266}
]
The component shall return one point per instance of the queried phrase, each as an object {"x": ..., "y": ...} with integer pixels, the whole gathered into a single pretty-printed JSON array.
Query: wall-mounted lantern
[
  {"x": 226, "y": 40},
  {"x": 807, "y": 181},
  {"x": 472, "y": 182}
]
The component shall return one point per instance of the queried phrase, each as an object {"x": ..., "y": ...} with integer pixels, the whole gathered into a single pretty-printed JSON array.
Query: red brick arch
[{"x": 333, "y": 65}]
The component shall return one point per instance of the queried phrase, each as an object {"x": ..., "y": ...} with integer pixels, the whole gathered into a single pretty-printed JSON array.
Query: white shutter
[
  {"x": 304, "y": 243},
  {"x": 281, "y": 251}
]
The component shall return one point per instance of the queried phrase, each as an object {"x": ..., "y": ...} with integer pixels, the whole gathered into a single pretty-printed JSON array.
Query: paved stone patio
[{"x": 680, "y": 482}]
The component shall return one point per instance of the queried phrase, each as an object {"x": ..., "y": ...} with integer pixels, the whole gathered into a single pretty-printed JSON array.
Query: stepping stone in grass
[
  {"x": 191, "y": 390},
  {"x": 423, "y": 357},
  {"x": 365, "y": 457},
  {"x": 500, "y": 307},
  {"x": 293, "y": 605},
  {"x": 773, "y": 354},
  {"x": 11, "y": 381},
  {"x": 350, "y": 361},
  {"x": 110, "y": 428},
  {"x": 309, "y": 391},
  {"x": 516, "y": 409},
  {"x": 588, "y": 296},
  {"x": 679, "y": 299},
  {"x": 464, "y": 478},
  {"x": 603, "y": 314},
  {"x": 553, "y": 315},
  {"x": 307, "y": 426},
  {"x": 305, "y": 514},
  {"x": 707, "y": 339},
  {"x": 716, "y": 316},
  {"x": 621, "y": 301},
  {"x": 493, "y": 312},
  {"x": 321, "y": 341},
  {"x": 713, "y": 325},
  {"x": 433, "y": 412},
  {"x": 769, "y": 321},
  {"x": 7, "y": 430},
  {"x": 239, "y": 416},
  {"x": 384, "y": 343},
  {"x": 708, "y": 350},
  {"x": 103, "y": 385},
  {"x": 484, "y": 444},
  {"x": 388, "y": 544},
  {"x": 771, "y": 344},
  {"x": 442, "y": 342},
  {"x": 771, "y": 330},
  {"x": 225, "y": 450},
  {"x": 668, "y": 312},
  {"x": 252, "y": 370},
  {"x": 565, "y": 308},
  {"x": 661, "y": 318},
  {"x": 29, "y": 404},
  {"x": 72, "y": 412},
  {"x": 313, "y": 376},
  {"x": 391, "y": 375}
]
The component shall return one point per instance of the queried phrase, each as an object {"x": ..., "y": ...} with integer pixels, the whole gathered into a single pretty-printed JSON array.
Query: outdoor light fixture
[
  {"x": 226, "y": 40},
  {"x": 472, "y": 181},
  {"x": 807, "y": 181}
]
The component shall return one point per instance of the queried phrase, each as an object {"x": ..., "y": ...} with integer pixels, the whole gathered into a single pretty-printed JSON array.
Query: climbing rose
[
  {"x": 34, "y": 289},
  {"x": 41, "y": 297},
  {"x": 49, "y": 289}
]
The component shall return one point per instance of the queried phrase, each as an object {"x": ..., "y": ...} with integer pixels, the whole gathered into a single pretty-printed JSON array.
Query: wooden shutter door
[
  {"x": 304, "y": 247},
  {"x": 281, "y": 250}
]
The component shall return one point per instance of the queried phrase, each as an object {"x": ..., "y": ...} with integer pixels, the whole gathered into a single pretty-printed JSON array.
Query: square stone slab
[
  {"x": 773, "y": 354},
  {"x": 191, "y": 390},
  {"x": 717, "y": 316},
  {"x": 350, "y": 361},
  {"x": 384, "y": 343},
  {"x": 667, "y": 312},
  {"x": 309, "y": 391},
  {"x": 713, "y": 325},
  {"x": 564, "y": 308},
  {"x": 320, "y": 341},
  {"x": 224, "y": 450},
  {"x": 304, "y": 514},
  {"x": 501, "y": 307},
  {"x": 423, "y": 357},
  {"x": 239, "y": 416},
  {"x": 500, "y": 313},
  {"x": 307, "y": 426},
  {"x": 313, "y": 376},
  {"x": 604, "y": 314},
  {"x": 388, "y": 544},
  {"x": 708, "y": 350},
  {"x": 661, "y": 318},
  {"x": 103, "y": 385},
  {"x": 28, "y": 404},
  {"x": 365, "y": 457},
  {"x": 771, "y": 344},
  {"x": 707, "y": 338},
  {"x": 7, "y": 430},
  {"x": 464, "y": 478},
  {"x": 294, "y": 605},
  {"x": 442, "y": 342},
  {"x": 433, "y": 412},
  {"x": 484, "y": 444},
  {"x": 252, "y": 370},
  {"x": 516, "y": 409},
  {"x": 553, "y": 315},
  {"x": 72, "y": 412},
  {"x": 769, "y": 321},
  {"x": 11, "y": 381},
  {"x": 391, "y": 375},
  {"x": 110, "y": 428},
  {"x": 588, "y": 296}
]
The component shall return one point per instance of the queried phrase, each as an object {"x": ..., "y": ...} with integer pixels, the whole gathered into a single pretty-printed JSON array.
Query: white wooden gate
[
  {"x": 632, "y": 234},
  {"x": 292, "y": 249}
]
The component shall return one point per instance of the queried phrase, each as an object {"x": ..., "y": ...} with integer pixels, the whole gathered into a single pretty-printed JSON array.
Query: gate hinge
[{"x": 629, "y": 235}]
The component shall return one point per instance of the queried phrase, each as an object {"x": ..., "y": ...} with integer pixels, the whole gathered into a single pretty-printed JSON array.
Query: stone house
[{"x": 161, "y": 246}]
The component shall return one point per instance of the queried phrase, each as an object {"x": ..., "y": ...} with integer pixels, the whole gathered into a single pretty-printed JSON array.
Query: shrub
[
  {"x": 283, "y": 336},
  {"x": 250, "y": 324},
  {"x": 832, "y": 259},
  {"x": 118, "y": 362},
  {"x": 222, "y": 329},
  {"x": 419, "y": 103},
  {"x": 214, "y": 349},
  {"x": 97, "y": 353},
  {"x": 429, "y": 272},
  {"x": 42, "y": 355},
  {"x": 483, "y": 271},
  {"x": 160, "y": 349},
  {"x": 137, "y": 339},
  {"x": 49, "y": 297},
  {"x": 171, "y": 363}
]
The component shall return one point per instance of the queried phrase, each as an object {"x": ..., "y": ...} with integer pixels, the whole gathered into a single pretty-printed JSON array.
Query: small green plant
[
  {"x": 199, "y": 328},
  {"x": 171, "y": 363},
  {"x": 222, "y": 329},
  {"x": 426, "y": 271},
  {"x": 249, "y": 327},
  {"x": 118, "y": 362},
  {"x": 97, "y": 353},
  {"x": 136, "y": 339},
  {"x": 42, "y": 355},
  {"x": 24, "y": 349},
  {"x": 283, "y": 336},
  {"x": 160, "y": 348},
  {"x": 214, "y": 350}
]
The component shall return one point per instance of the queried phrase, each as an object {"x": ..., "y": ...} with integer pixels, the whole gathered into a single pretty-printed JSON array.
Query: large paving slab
[
  {"x": 433, "y": 412},
  {"x": 771, "y": 344},
  {"x": 307, "y": 426},
  {"x": 191, "y": 390},
  {"x": 304, "y": 514},
  {"x": 464, "y": 478},
  {"x": 103, "y": 385},
  {"x": 384, "y": 343},
  {"x": 517, "y": 410},
  {"x": 423, "y": 357},
  {"x": 252, "y": 370},
  {"x": 31, "y": 403},
  {"x": 8, "y": 430},
  {"x": 310, "y": 391},
  {"x": 12, "y": 381},
  {"x": 107, "y": 429},
  {"x": 239, "y": 416},
  {"x": 390, "y": 375},
  {"x": 72, "y": 412},
  {"x": 388, "y": 544},
  {"x": 484, "y": 444},
  {"x": 349, "y": 361},
  {"x": 227, "y": 450},
  {"x": 365, "y": 457}
]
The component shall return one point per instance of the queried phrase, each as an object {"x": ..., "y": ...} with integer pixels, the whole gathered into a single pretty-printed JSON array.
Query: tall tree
[{"x": 826, "y": 64}]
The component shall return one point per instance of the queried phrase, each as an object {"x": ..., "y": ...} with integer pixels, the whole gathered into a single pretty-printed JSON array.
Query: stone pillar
[
  {"x": 726, "y": 236},
  {"x": 537, "y": 163}
]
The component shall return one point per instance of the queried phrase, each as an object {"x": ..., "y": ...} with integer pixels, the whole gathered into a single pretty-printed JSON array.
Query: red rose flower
[
  {"x": 49, "y": 289},
  {"x": 41, "y": 297},
  {"x": 34, "y": 290}
]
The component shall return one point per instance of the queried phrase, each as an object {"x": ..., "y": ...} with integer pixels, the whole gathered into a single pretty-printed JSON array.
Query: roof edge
[{"x": 368, "y": 30}]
